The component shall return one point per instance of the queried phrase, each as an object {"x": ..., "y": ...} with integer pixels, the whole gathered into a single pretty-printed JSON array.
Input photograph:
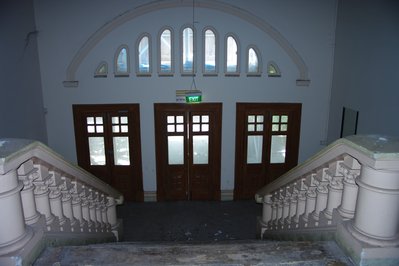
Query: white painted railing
[
  {"x": 349, "y": 191},
  {"x": 46, "y": 200}
]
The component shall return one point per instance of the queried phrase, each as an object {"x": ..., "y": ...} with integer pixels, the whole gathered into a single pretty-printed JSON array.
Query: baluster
[
  {"x": 85, "y": 208},
  {"x": 66, "y": 200},
  {"x": 274, "y": 211},
  {"x": 301, "y": 201},
  {"x": 112, "y": 217},
  {"x": 293, "y": 205},
  {"x": 26, "y": 175},
  {"x": 350, "y": 169},
  {"x": 42, "y": 199},
  {"x": 77, "y": 205},
  {"x": 286, "y": 195},
  {"x": 321, "y": 180},
  {"x": 310, "y": 200},
  {"x": 92, "y": 209},
  {"x": 55, "y": 197},
  {"x": 13, "y": 232},
  {"x": 335, "y": 188}
]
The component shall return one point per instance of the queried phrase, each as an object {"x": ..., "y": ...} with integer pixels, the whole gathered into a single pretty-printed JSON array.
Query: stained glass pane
[
  {"x": 278, "y": 149},
  {"x": 254, "y": 149},
  {"x": 175, "y": 150},
  {"x": 253, "y": 65},
  {"x": 210, "y": 51},
  {"x": 97, "y": 151},
  {"x": 121, "y": 151},
  {"x": 188, "y": 48},
  {"x": 166, "y": 51},
  {"x": 144, "y": 55},
  {"x": 232, "y": 58},
  {"x": 200, "y": 149},
  {"x": 121, "y": 63}
]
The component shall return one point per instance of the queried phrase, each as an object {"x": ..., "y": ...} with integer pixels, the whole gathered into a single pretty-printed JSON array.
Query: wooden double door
[
  {"x": 188, "y": 151},
  {"x": 267, "y": 144},
  {"x": 108, "y": 145}
]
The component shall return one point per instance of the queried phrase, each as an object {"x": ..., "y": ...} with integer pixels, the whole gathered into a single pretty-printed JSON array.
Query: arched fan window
[
  {"x": 254, "y": 61},
  {"x": 210, "y": 51},
  {"x": 187, "y": 51},
  {"x": 122, "y": 61},
  {"x": 232, "y": 56},
  {"x": 143, "y": 55},
  {"x": 165, "y": 52}
]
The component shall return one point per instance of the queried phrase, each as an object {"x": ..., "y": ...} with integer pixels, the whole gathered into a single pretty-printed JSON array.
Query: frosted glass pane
[
  {"x": 276, "y": 119},
  {"x": 115, "y": 129},
  {"x": 277, "y": 149},
  {"x": 210, "y": 51},
  {"x": 205, "y": 119},
  {"x": 97, "y": 151},
  {"x": 232, "y": 61},
  {"x": 166, "y": 51},
  {"x": 171, "y": 128},
  {"x": 200, "y": 149},
  {"x": 91, "y": 129},
  {"x": 251, "y": 119},
  {"x": 180, "y": 119},
  {"x": 284, "y": 127},
  {"x": 188, "y": 50},
  {"x": 205, "y": 127},
  {"x": 115, "y": 120},
  {"x": 144, "y": 55},
  {"x": 121, "y": 151},
  {"x": 171, "y": 119},
  {"x": 253, "y": 65},
  {"x": 196, "y": 119},
  {"x": 259, "y": 118},
  {"x": 179, "y": 128},
  {"x": 90, "y": 120},
  {"x": 99, "y": 120},
  {"x": 100, "y": 129},
  {"x": 251, "y": 127},
  {"x": 275, "y": 127},
  {"x": 284, "y": 119},
  {"x": 175, "y": 150},
  {"x": 196, "y": 128},
  {"x": 124, "y": 120},
  {"x": 254, "y": 149},
  {"x": 124, "y": 129},
  {"x": 259, "y": 127}
]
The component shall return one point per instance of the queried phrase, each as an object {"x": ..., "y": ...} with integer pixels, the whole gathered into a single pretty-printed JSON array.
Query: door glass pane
[
  {"x": 200, "y": 149},
  {"x": 188, "y": 48},
  {"x": 254, "y": 149},
  {"x": 179, "y": 119},
  {"x": 210, "y": 51},
  {"x": 278, "y": 148},
  {"x": 205, "y": 119},
  {"x": 90, "y": 120},
  {"x": 175, "y": 149},
  {"x": 284, "y": 118},
  {"x": 251, "y": 119},
  {"x": 171, "y": 119},
  {"x": 99, "y": 129},
  {"x": 97, "y": 151},
  {"x": 91, "y": 129},
  {"x": 196, "y": 118},
  {"x": 124, "y": 129},
  {"x": 121, "y": 151},
  {"x": 166, "y": 51}
]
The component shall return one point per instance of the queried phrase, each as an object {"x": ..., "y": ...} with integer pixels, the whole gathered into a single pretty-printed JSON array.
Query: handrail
[
  {"x": 45, "y": 200},
  {"x": 378, "y": 152},
  {"x": 348, "y": 191},
  {"x": 14, "y": 152}
]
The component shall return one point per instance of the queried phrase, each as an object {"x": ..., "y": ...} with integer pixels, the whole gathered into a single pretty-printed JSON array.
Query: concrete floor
[{"x": 189, "y": 221}]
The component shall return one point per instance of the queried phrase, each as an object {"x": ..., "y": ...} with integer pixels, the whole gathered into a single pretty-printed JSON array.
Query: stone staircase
[{"x": 245, "y": 252}]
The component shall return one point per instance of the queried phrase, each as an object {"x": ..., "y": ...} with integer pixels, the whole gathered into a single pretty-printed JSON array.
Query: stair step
[{"x": 254, "y": 252}]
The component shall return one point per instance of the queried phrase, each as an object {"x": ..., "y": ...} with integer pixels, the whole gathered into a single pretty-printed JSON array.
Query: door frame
[
  {"x": 269, "y": 171},
  {"x": 79, "y": 111},
  {"x": 216, "y": 156}
]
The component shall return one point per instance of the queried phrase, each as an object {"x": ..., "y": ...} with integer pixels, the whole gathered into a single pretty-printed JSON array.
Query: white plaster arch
[{"x": 97, "y": 36}]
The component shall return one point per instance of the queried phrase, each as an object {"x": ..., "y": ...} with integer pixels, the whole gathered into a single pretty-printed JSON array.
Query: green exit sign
[{"x": 193, "y": 98}]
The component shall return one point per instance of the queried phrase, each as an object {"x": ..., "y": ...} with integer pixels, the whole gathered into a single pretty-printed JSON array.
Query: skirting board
[{"x": 225, "y": 195}]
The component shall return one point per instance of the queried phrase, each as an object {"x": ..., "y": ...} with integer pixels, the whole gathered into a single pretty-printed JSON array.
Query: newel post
[
  {"x": 377, "y": 214},
  {"x": 13, "y": 233}
]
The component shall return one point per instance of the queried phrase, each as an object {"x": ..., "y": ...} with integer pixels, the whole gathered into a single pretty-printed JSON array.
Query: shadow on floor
[{"x": 191, "y": 221}]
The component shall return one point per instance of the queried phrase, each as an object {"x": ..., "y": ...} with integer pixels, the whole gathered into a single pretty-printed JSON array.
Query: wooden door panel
[
  {"x": 193, "y": 179},
  {"x": 117, "y": 123},
  {"x": 276, "y": 128}
]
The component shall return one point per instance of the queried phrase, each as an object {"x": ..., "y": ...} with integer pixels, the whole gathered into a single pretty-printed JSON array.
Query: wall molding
[{"x": 138, "y": 11}]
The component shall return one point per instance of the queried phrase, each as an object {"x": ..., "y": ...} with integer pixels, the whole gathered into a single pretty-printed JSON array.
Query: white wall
[
  {"x": 366, "y": 69},
  {"x": 65, "y": 26},
  {"x": 21, "y": 102}
]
